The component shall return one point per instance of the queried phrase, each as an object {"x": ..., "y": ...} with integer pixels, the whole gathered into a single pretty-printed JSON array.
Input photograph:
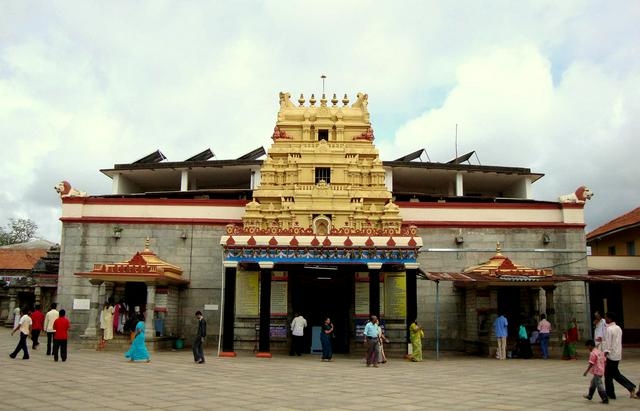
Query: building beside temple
[
  {"x": 28, "y": 276},
  {"x": 322, "y": 226},
  {"x": 614, "y": 271}
]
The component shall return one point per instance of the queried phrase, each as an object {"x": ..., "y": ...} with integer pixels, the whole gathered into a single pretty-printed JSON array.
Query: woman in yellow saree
[{"x": 416, "y": 334}]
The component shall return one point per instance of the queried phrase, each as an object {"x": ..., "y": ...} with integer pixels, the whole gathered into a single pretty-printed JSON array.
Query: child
[{"x": 596, "y": 367}]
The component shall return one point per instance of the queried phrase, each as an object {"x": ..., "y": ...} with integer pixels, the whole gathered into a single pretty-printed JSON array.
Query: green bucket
[{"x": 179, "y": 344}]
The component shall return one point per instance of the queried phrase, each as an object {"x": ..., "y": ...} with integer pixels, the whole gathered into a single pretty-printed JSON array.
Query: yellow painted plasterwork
[{"x": 289, "y": 196}]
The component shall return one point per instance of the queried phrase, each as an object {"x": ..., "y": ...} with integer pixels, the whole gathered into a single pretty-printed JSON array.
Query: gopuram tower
[{"x": 322, "y": 175}]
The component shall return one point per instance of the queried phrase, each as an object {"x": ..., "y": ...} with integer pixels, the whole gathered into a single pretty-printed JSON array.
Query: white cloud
[{"x": 542, "y": 85}]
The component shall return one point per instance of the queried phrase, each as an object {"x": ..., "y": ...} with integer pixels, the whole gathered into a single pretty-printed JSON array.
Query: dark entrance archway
[{"x": 318, "y": 293}]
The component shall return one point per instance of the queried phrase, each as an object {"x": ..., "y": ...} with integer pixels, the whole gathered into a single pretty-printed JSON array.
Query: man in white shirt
[
  {"x": 24, "y": 325},
  {"x": 51, "y": 316},
  {"x": 297, "y": 330},
  {"x": 612, "y": 348},
  {"x": 598, "y": 333}
]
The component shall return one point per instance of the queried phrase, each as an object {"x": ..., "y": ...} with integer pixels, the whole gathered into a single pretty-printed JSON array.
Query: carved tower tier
[{"x": 322, "y": 172}]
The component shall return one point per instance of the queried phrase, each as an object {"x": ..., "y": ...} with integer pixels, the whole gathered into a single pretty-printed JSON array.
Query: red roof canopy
[{"x": 629, "y": 219}]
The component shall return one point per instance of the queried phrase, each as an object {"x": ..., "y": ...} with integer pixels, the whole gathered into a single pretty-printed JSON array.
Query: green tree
[{"x": 18, "y": 230}]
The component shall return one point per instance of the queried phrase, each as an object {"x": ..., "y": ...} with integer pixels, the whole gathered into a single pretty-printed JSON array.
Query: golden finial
[
  {"x": 334, "y": 100},
  {"x": 323, "y": 100},
  {"x": 301, "y": 100},
  {"x": 312, "y": 100},
  {"x": 345, "y": 100},
  {"x": 498, "y": 249},
  {"x": 147, "y": 241}
]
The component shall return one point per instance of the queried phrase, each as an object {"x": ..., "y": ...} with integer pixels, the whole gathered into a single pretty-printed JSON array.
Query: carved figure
[
  {"x": 285, "y": 100},
  {"x": 580, "y": 196},
  {"x": 361, "y": 102},
  {"x": 65, "y": 190}
]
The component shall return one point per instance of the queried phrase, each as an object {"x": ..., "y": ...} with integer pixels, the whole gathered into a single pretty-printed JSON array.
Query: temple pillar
[
  {"x": 37, "y": 291},
  {"x": 91, "y": 330},
  {"x": 265, "y": 308},
  {"x": 374, "y": 288},
  {"x": 149, "y": 326},
  {"x": 12, "y": 306},
  {"x": 550, "y": 307},
  {"x": 229, "y": 316}
]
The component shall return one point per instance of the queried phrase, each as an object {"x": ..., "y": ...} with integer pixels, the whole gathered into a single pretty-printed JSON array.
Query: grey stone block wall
[{"x": 200, "y": 256}]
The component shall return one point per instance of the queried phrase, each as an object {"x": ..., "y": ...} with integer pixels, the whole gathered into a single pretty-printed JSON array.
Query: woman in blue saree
[{"x": 138, "y": 351}]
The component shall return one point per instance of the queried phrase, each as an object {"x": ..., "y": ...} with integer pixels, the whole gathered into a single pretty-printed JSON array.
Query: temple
[{"x": 319, "y": 224}]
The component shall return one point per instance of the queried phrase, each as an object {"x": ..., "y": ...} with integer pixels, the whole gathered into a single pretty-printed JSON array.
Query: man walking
[
  {"x": 500, "y": 329},
  {"x": 61, "y": 326},
  {"x": 49, "y": 319},
  {"x": 297, "y": 330},
  {"x": 612, "y": 348},
  {"x": 371, "y": 340},
  {"x": 38, "y": 320},
  {"x": 24, "y": 325},
  {"x": 198, "y": 353},
  {"x": 544, "y": 330}
]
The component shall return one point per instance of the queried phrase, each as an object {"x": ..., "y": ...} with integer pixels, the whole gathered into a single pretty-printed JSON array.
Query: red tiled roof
[
  {"x": 21, "y": 259},
  {"x": 628, "y": 219}
]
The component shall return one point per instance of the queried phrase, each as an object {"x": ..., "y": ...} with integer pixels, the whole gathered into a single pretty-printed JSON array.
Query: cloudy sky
[{"x": 553, "y": 86}]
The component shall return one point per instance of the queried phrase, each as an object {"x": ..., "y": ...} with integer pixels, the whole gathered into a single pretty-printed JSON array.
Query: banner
[{"x": 396, "y": 295}]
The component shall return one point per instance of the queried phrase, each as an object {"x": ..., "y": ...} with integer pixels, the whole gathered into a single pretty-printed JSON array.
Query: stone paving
[{"x": 105, "y": 381}]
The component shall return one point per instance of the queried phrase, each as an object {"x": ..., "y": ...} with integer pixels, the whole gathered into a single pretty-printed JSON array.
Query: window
[
  {"x": 612, "y": 250},
  {"x": 631, "y": 248},
  {"x": 323, "y": 173},
  {"x": 323, "y": 135}
]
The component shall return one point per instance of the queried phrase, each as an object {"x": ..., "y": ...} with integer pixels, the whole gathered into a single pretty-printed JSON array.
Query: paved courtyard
[{"x": 105, "y": 381}]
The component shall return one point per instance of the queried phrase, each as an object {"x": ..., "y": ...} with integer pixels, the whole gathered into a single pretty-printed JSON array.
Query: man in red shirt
[
  {"x": 61, "y": 327},
  {"x": 38, "y": 322}
]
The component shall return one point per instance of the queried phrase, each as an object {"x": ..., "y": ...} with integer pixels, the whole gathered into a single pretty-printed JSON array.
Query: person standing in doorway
[
  {"x": 599, "y": 325},
  {"x": 49, "y": 319},
  {"x": 544, "y": 331},
  {"x": 61, "y": 325},
  {"x": 24, "y": 325},
  {"x": 38, "y": 322},
  {"x": 326, "y": 335},
  {"x": 500, "y": 329},
  {"x": 371, "y": 340},
  {"x": 297, "y": 330},
  {"x": 612, "y": 348},
  {"x": 198, "y": 353}
]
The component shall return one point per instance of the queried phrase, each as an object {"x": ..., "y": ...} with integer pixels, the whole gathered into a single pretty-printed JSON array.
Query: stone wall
[
  {"x": 199, "y": 255},
  {"x": 565, "y": 254}
]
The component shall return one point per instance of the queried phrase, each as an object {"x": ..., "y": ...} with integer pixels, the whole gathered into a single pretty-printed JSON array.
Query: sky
[{"x": 551, "y": 86}]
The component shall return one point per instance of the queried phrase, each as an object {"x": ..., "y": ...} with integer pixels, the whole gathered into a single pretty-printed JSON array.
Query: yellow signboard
[
  {"x": 247, "y": 293},
  {"x": 395, "y": 295},
  {"x": 279, "y": 297}
]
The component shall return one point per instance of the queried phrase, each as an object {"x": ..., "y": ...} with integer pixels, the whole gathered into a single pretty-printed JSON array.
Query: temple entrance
[
  {"x": 320, "y": 293},
  {"x": 135, "y": 295}
]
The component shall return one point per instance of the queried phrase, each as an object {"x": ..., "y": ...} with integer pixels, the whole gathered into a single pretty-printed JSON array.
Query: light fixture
[
  {"x": 183, "y": 235},
  {"x": 321, "y": 267},
  {"x": 546, "y": 239},
  {"x": 116, "y": 231},
  {"x": 459, "y": 239}
]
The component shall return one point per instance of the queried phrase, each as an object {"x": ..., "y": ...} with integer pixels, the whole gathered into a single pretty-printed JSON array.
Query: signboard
[
  {"x": 279, "y": 297},
  {"x": 211, "y": 307},
  {"x": 395, "y": 295},
  {"x": 247, "y": 293},
  {"x": 81, "y": 304},
  {"x": 362, "y": 298}
]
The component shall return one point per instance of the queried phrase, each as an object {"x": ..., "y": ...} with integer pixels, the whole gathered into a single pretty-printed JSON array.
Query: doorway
[
  {"x": 135, "y": 295},
  {"x": 321, "y": 293}
]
